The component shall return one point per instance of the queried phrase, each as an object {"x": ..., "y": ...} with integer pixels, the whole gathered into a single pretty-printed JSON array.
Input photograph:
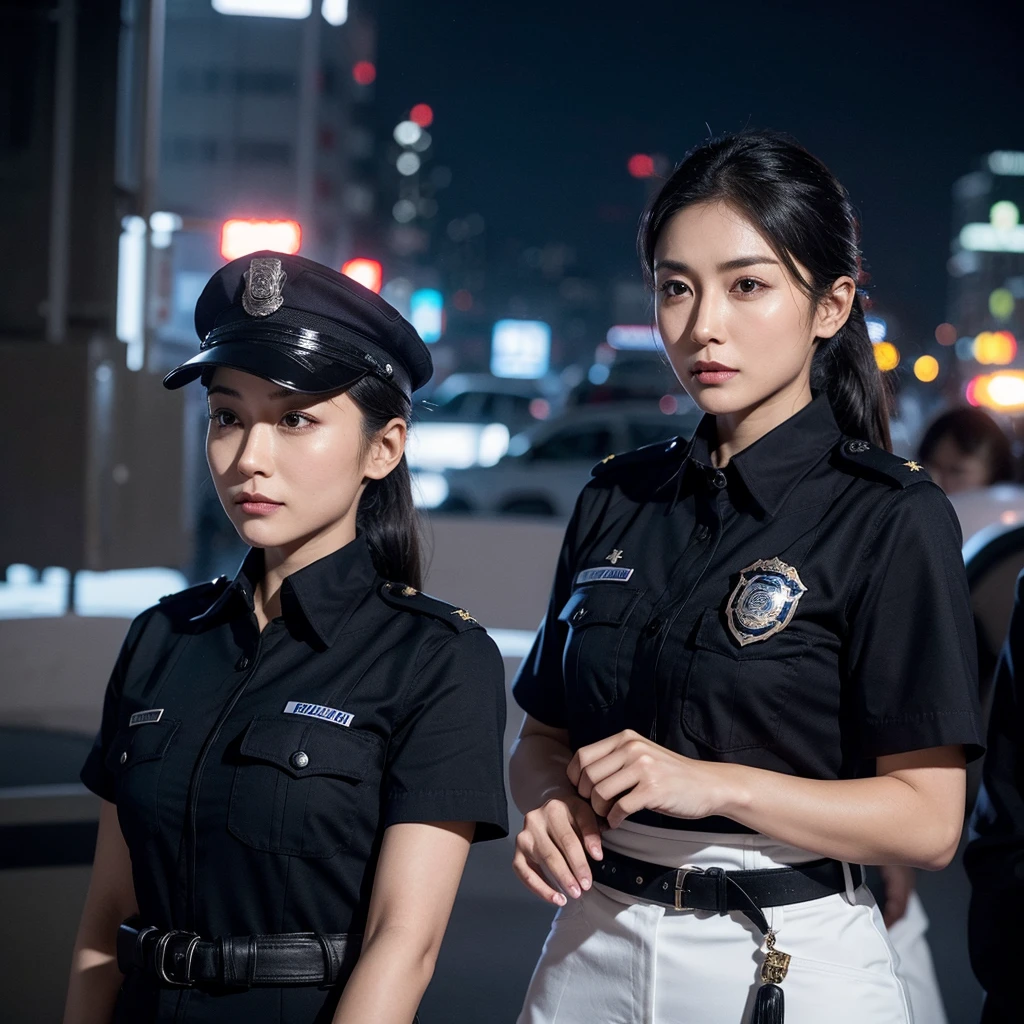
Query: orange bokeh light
[
  {"x": 368, "y": 273},
  {"x": 241, "y": 237}
]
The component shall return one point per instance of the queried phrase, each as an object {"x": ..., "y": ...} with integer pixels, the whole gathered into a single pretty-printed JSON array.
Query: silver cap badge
[
  {"x": 763, "y": 601},
  {"x": 264, "y": 286}
]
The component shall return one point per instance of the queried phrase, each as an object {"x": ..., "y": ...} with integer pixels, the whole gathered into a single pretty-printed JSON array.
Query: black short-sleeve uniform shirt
[
  {"x": 254, "y": 774},
  {"x": 803, "y": 610}
]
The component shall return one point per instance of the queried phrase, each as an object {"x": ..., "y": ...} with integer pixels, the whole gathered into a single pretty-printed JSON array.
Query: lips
[
  {"x": 712, "y": 373},
  {"x": 257, "y": 504}
]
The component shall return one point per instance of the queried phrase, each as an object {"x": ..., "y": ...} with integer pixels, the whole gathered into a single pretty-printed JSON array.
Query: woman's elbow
[{"x": 942, "y": 842}]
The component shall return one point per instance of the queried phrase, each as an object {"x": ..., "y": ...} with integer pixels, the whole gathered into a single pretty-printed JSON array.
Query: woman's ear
[
  {"x": 386, "y": 450},
  {"x": 834, "y": 309}
]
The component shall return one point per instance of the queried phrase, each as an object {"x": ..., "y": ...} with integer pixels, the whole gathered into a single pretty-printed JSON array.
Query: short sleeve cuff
[
  {"x": 904, "y": 733},
  {"x": 487, "y": 809},
  {"x": 536, "y": 702},
  {"x": 96, "y": 778}
]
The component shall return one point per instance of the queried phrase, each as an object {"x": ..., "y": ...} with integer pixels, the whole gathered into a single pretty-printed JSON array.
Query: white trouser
[
  {"x": 613, "y": 959},
  {"x": 917, "y": 972}
]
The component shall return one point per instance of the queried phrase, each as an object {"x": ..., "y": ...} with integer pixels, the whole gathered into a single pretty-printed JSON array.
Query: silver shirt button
[
  {"x": 124, "y": 756},
  {"x": 299, "y": 759}
]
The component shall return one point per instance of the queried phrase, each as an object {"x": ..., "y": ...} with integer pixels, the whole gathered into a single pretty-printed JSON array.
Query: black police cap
[{"x": 303, "y": 326}]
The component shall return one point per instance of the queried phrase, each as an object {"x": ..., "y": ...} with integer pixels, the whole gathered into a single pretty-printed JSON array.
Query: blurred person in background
[
  {"x": 965, "y": 449},
  {"x": 729, "y": 708},
  {"x": 292, "y": 765},
  {"x": 994, "y": 857},
  {"x": 962, "y": 450}
]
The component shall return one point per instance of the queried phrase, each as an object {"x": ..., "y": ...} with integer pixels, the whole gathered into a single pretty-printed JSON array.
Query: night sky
[{"x": 540, "y": 104}]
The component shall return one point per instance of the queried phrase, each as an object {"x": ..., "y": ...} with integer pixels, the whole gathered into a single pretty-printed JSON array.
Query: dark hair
[
  {"x": 805, "y": 215},
  {"x": 974, "y": 432},
  {"x": 387, "y": 518}
]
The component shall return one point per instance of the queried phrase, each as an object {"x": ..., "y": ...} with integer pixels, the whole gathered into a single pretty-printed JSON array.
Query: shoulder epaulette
[
  {"x": 870, "y": 460},
  {"x": 399, "y": 595},
  {"x": 650, "y": 453},
  {"x": 199, "y": 597}
]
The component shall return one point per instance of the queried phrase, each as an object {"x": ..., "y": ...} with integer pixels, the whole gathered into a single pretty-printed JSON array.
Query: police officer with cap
[{"x": 294, "y": 761}]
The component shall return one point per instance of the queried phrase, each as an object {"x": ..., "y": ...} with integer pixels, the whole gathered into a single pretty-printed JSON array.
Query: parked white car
[{"x": 547, "y": 466}]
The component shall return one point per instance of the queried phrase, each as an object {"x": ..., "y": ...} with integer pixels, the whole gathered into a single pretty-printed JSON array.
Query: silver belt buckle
[
  {"x": 681, "y": 874},
  {"x": 161, "y": 952}
]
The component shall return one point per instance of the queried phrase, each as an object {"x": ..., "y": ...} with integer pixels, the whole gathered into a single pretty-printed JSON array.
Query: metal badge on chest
[{"x": 763, "y": 601}]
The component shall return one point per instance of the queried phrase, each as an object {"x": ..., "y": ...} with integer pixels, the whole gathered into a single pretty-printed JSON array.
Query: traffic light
[
  {"x": 241, "y": 237},
  {"x": 369, "y": 273}
]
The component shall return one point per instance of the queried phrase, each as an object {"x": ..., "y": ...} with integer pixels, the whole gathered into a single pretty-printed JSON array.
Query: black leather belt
[
  {"x": 722, "y": 891},
  {"x": 179, "y": 959}
]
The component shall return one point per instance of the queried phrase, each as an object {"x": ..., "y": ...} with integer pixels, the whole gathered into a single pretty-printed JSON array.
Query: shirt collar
[
  {"x": 774, "y": 464},
  {"x": 321, "y": 596}
]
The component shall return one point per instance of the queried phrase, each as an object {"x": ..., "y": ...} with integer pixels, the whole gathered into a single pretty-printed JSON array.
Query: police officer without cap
[
  {"x": 757, "y": 663},
  {"x": 298, "y": 759}
]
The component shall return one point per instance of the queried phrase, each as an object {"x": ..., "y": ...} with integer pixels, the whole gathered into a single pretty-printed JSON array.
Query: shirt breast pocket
[
  {"x": 736, "y": 697},
  {"x": 136, "y": 759},
  {"x": 303, "y": 787},
  {"x": 600, "y": 646}
]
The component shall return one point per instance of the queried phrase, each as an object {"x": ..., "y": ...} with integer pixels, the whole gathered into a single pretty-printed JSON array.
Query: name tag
[
  {"x": 296, "y": 707},
  {"x": 146, "y": 717},
  {"x": 610, "y": 573}
]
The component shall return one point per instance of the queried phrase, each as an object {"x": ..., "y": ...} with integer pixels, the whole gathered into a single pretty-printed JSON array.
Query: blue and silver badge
[{"x": 764, "y": 600}]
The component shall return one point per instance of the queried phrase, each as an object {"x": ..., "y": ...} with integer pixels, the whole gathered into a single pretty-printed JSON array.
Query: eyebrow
[
  {"x": 219, "y": 389},
  {"x": 737, "y": 264}
]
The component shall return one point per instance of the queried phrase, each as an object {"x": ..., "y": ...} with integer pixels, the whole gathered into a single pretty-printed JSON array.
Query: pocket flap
[
  {"x": 600, "y": 604},
  {"x": 713, "y": 634},
  {"x": 135, "y": 744},
  {"x": 302, "y": 746}
]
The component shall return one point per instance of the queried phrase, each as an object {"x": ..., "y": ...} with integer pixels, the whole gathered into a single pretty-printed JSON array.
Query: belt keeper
[
  {"x": 328, "y": 955},
  {"x": 721, "y": 890},
  {"x": 138, "y": 952}
]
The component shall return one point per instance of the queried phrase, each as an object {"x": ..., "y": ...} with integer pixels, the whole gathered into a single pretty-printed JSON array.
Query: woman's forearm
[
  {"x": 92, "y": 986},
  {"x": 386, "y": 987},
  {"x": 882, "y": 820},
  {"x": 536, "y": 770}
]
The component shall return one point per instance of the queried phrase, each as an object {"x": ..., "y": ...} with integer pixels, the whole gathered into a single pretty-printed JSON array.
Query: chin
[
  {"x": 262, "y": 534},
  {"x": 720, "y": 399}
]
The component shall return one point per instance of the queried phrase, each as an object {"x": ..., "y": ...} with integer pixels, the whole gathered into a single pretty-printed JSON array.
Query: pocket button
[
  {"x": 124, "y": 756},
  {"x": 578, "y": 616},
  {"x": 299, "y": 759}
]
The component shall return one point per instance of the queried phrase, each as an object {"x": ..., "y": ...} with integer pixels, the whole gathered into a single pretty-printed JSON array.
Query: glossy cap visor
[{"x": 294, "y": 358}]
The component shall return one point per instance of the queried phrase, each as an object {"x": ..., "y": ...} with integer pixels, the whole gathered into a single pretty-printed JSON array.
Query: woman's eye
[
  {"x": 223, "y": 418},
  {"x": 747, "y": 285},
  {"x": 295, "y": 420},
  {"x": 673, "y": 289}
]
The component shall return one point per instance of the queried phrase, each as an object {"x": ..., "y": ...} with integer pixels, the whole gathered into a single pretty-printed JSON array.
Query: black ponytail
[
  {"x": 844, "y": 367},
  {"x": 805, "y": 215},
  {"x": 387, "y": 518}
]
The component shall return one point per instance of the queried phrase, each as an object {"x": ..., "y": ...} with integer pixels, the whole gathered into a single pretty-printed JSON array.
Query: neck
[
  {"x": 280, "y": 562},
  {"x": 739, "y": 430}
]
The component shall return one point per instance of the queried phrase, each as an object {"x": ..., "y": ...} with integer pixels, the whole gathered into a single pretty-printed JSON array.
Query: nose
[
  {"x": 257, "y": 455},
  {"x": 707, "y": 327}
]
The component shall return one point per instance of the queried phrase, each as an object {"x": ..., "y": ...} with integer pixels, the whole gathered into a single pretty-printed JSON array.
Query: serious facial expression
[
  {"x": 288, "y": 467},
  {"x": 738, "y": 329}
]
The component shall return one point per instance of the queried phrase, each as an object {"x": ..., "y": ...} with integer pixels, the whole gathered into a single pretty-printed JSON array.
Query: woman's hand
[
  {"x": 626, "y": 773},
  {"x": 553, "y": 837},
  {"x": 900, "y": 882}
]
